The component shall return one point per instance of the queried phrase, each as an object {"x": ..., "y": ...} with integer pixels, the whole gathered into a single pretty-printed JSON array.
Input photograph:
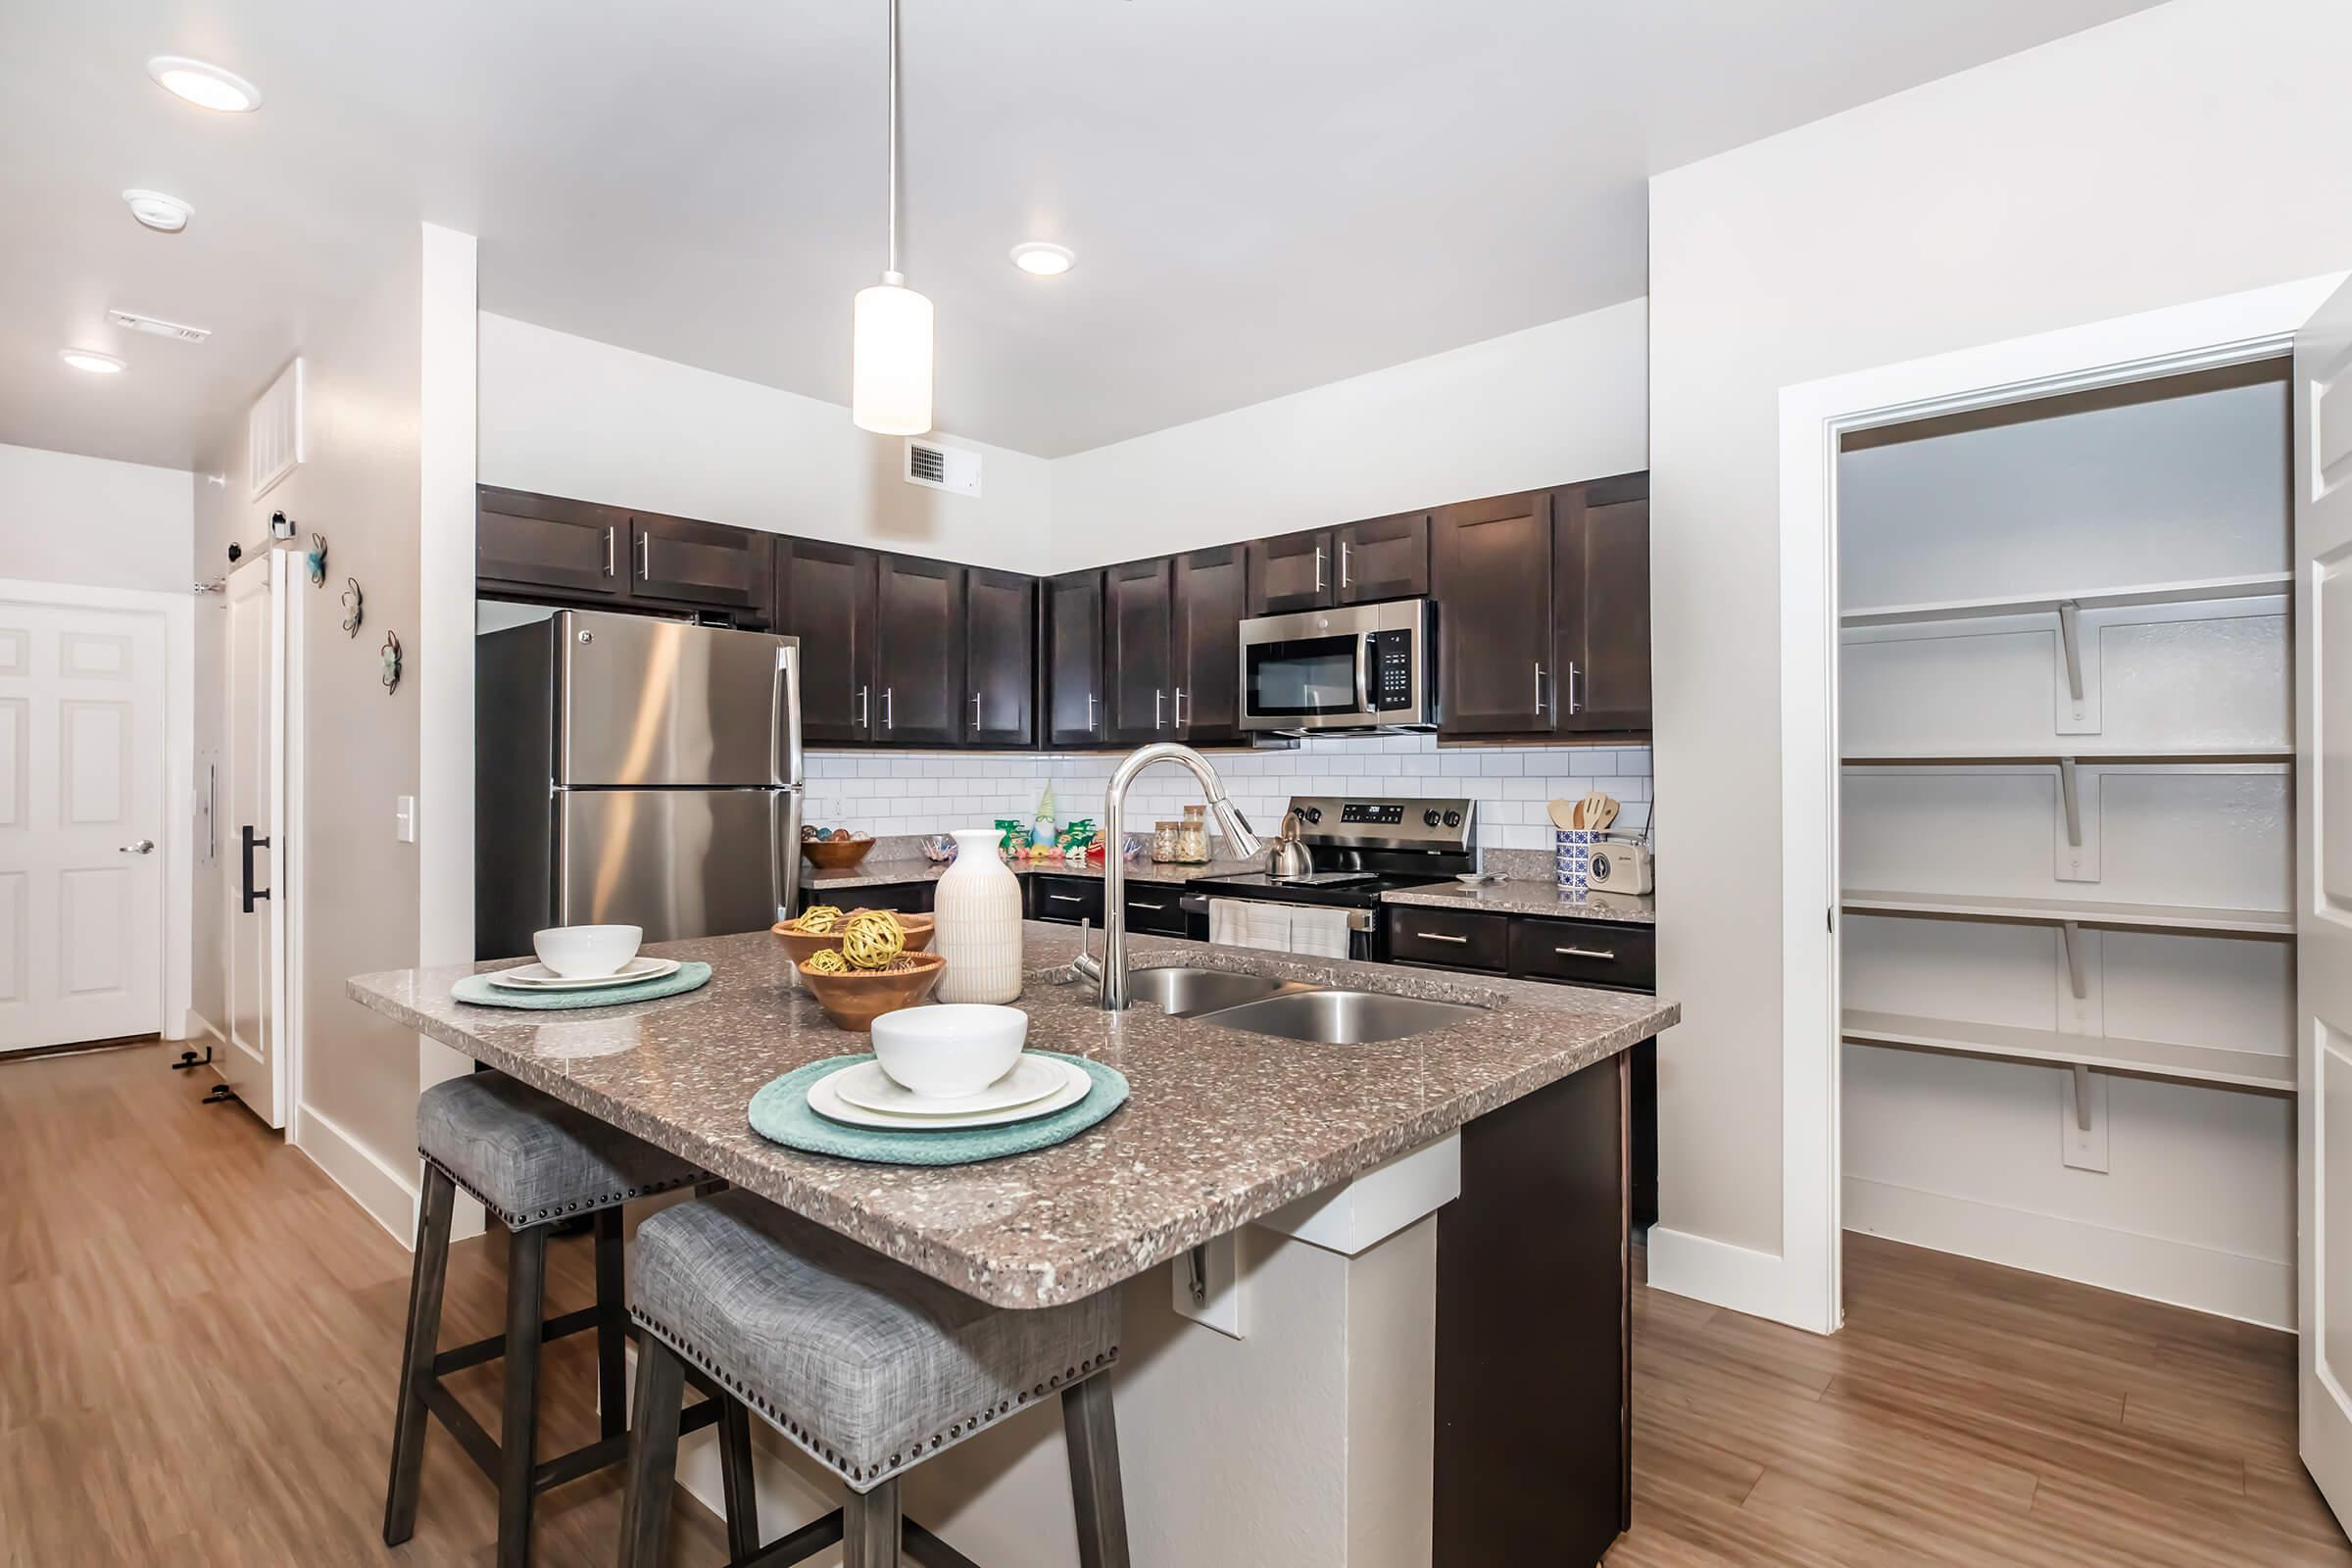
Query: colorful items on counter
[{"x": 1081, "y": 841}]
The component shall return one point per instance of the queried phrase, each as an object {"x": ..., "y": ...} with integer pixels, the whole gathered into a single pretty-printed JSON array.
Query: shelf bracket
[
  {"x": 2073, "y": 932},
  {"x": 2082, "y": 1096},
  {"x": 2069, "y": 788},
  {"x": 2070, "y": 632}
]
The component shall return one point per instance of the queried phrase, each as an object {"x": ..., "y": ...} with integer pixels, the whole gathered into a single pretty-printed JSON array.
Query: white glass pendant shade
[{"x": 889, "y": 365}]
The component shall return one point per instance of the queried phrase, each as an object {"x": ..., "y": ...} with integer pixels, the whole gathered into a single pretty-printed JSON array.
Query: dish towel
[{"x": 1299, "y": 928}]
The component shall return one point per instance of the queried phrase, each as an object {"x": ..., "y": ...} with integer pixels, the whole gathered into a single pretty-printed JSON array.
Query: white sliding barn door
[
  {"x": 81, "y": 824},
  {"x": 2323, "y": 491},
  {"x": 253, "y": 796}
]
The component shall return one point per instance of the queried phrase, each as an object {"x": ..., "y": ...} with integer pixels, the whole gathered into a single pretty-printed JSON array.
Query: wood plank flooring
[{"x": 198, "y": 1329}]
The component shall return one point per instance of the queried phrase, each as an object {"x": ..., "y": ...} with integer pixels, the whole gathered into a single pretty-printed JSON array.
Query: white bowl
[
  {"x": 585, "y": 952},
  {"x": 950, "y": 1050}
]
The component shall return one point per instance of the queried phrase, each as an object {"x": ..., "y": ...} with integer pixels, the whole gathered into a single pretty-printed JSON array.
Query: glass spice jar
[
  {"x": 1192, "y": 839},
  {"x": 1164, "y": 836}
]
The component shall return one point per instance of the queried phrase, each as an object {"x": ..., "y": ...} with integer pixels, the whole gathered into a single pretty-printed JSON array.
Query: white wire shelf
[{"x": 2259, "y": 585}]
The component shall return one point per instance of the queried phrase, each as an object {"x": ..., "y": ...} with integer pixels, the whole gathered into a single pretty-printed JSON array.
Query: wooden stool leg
[
  {"x": 519, "y": 1431},
  {"x": 1089, "y": 1426},
  {"x": 611, "y": 1325},
  {"x": 652, "y": 1454},
  {"x": 870, "y": 1528},
  {"x": 735, "y": 1476},
  {"x": 426, "y": 1276}
]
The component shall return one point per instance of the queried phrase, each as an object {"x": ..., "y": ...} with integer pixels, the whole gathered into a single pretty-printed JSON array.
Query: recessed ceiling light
[
  {"x": 1041, "y": 260},
  {"x": 166, "y": 215},
  {"x": 86, "y": 360},
  {"x": 203, "y": 86}
]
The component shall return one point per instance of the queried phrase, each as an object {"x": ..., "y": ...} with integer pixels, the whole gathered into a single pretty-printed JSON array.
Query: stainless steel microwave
[{"x": 1350, "y": 668}]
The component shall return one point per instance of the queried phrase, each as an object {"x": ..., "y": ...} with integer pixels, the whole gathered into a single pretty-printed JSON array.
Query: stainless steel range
[{"x": 1359, "y": 849}]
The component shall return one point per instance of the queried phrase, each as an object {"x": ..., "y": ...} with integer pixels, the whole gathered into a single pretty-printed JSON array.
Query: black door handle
[{"x": 249, "y": 845}]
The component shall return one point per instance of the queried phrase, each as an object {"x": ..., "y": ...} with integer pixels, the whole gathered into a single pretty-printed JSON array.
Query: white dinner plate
[
  {"x": 1032, "y": 1078},
  {"x": 539, "y": 977},
  {"x": 826, "y": 1102}
]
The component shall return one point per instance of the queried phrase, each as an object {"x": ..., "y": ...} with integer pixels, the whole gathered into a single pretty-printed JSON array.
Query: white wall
[
  {"x": 67, "y": 518},
  {"x": 2169, "y": 156},
  {"x": 572, "y": 417},
  {"x": 1551, "y": 405}
]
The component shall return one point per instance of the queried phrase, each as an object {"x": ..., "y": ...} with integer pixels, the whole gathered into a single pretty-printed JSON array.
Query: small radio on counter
[{"x": 1620, "y": 866}]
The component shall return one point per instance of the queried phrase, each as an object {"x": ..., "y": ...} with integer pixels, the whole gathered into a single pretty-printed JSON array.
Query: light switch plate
[{"x": 403, "y": 818}]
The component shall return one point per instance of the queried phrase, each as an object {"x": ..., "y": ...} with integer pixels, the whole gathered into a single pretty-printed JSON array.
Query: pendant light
[{"x": 890, "y": 356}]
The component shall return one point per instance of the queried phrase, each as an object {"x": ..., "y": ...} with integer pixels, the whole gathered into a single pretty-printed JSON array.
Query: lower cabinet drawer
[
  {"x": 907, "y": 898},
  {"x": 1585, "y": 952},
  {"x": 1158, "y": 908},
  {"x": 1065, "y": 899},
  {"x": 1448, "y": 938}
]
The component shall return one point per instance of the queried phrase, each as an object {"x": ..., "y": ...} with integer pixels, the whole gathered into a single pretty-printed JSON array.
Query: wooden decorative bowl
[
  {"x": 803, "y": 943},
  {"x": 854, "y": 1001},
  {"x": 835, "y": 855}
]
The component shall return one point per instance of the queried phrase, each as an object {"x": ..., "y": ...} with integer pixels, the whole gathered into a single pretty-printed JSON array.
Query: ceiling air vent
[
  {"x": 943, "y": 468},
  {"x": 159, "y": 328},
  {"x": 274, "y": 431}
]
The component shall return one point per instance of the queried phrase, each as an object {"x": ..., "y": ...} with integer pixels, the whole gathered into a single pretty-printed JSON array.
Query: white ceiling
[{"x": 1262, "y": 196}]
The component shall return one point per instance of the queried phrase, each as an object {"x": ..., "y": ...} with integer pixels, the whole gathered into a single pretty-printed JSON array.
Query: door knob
[{"x": 142, "y": 847}]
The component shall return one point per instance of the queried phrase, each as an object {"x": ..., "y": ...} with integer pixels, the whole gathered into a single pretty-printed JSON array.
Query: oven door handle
[{"x": 1363, "y": 674}]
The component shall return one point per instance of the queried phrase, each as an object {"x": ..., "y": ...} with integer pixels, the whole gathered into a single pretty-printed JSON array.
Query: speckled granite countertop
[
  {"x": 872, "y": 873},
  {"x": 1530, "y": 897},
  {"x": 1223, "y": 1126}
]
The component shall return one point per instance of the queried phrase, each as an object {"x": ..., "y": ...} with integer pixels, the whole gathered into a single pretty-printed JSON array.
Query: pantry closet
[{"x": 2066, "y": 837}]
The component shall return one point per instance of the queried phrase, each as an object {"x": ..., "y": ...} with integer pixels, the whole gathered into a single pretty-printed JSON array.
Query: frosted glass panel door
[
  {"x": 2322, "y": 471},
  {"x": 81, "y": 824}
]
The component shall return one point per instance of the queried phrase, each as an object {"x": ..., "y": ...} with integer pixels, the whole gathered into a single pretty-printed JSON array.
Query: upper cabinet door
[
  {"x": 1076, "y": 711},
  {"x": 918, "y": 651},
  {"x": 1294, "y": 571},
  {"x": 1136, "y": 623},
  {"x": 1382, "y": 558},
  {"x": 1000, "y": 657},
  {"x": 531, "y": 541},
  {"x": 1210, "y": 594},
  {"x": 825, "y": 597},
  {"x": 700, "y": 563},
  {"x": 1492, "y": 570},
  {"x": 1604, "y": 595}
]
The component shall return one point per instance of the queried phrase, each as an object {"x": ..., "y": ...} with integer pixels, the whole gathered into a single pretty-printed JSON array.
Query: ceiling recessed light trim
[
  {"x": 90, "y": 360},
  {"x": 166, "y": 215},
  {"x": 204, "y": 84},
  {"x": 1042, "y": 259}
]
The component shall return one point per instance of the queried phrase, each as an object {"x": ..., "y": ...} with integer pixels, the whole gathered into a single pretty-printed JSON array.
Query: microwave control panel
[{"x": 1392, "y": 669}]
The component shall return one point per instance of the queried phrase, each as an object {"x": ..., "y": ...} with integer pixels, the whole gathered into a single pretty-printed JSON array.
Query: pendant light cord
[{"x": 893, "y": 276}]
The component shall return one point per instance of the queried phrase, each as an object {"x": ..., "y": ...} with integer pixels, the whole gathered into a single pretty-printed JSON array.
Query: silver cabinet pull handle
[
  {"x": 1090, "y": 713},
  {"x": 975, "y": 709},
  {"x": 645, "y": 557},
  {"x": 1342, "y": 565},
  {"x": 1440, "y": 936},
  {"x": 889, "y": 710},
  {"x": 1065, "y": 898},
  {"x": 1138, "y": 904},
  {"x": 1158, "y": 698},
  {"x": 608, "y": 550},
  {"x": 1538, "y": 688},
  {"x": 1572, "y": 686},
  {"x": 1585, "y": 952},
  {"x": 1180, "y": 707},
  {"x": 865, "y": 709},
  {"x": 1318, "y": 568},
  {"x": 137, "y": 847}
]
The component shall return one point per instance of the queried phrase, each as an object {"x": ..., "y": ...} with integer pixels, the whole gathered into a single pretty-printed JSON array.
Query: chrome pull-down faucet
[{"x": 1110, "y": 970}]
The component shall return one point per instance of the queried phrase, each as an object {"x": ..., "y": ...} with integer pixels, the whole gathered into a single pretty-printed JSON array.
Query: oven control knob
[
  {"x": 1428, "y": 819},
  {"x": 1454, "y": 819},
  {"x": 1313, "y": 814}
]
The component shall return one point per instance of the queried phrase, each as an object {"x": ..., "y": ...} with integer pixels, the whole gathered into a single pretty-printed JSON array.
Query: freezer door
[
  {"x": 642, "y": 703},
  {"x": 681, "y": 863}
]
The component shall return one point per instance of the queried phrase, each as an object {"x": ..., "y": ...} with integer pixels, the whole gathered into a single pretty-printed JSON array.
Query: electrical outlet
[
  {"x": 403, "y": 818},
  {"x": 2083, "y": 1148}
]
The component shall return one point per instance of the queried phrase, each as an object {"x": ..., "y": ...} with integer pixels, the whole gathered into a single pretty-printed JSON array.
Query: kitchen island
[{"x": 1425, "y": 1238}]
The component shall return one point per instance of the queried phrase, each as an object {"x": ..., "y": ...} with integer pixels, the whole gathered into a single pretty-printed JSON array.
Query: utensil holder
[{"x": 1572, "y": 856}]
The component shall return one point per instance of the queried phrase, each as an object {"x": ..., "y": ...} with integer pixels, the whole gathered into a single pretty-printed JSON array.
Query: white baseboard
[
  {"x": 1758, "y": 1284},
  {"x": 387, "y": 1193},
  {"x": 2226, "y": 1284}
]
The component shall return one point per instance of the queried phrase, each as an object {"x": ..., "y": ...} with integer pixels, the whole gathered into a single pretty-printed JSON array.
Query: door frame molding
[
  {"x": 175, "y": 1019},
  {"x": 1805, "y": 1284}
]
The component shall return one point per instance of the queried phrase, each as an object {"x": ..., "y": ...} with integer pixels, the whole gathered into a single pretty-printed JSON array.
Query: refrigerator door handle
[
  {"x": 784, "y": 812},
  {"x": 785, "y": 716}
]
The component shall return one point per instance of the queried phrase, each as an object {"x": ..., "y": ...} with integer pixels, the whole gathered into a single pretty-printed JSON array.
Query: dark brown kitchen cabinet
[
  {"x": 1381, "y": 558},
  {"x": 1211, "y": 594},
  {"x": 1076, "y": 714},
  {"x": 1602, "y": 546},
  {"x": 686, "y": 561},
  {"x": 1136, "y": 616},
  {"x": 1000, "y": 657},
  {"x": 824, "y": 595},
  {"x": 527, "y": 542},
  {"x": 1290, "y": 572},
  {"x": 1491, "y": 570},
  {"x": 918, "y": 651}
]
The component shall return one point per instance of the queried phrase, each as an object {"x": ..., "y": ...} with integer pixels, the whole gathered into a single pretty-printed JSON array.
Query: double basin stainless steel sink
[{"x": 1291, "y": 1009}]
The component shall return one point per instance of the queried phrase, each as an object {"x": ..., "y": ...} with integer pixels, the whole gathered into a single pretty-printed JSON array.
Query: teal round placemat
[
  {"x": 780, "y": 1113},
  {"x": 477, "y": 989}
]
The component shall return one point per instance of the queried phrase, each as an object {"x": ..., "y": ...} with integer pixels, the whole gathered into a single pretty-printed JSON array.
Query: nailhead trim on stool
[{"x": 586, "y": 1206}]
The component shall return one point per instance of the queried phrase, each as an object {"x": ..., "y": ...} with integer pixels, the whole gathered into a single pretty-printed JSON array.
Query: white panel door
[
  {"x": 253, "y": 754},
  {"x": 2322, "y": 489},
  {"x": 81, "y": 824}
]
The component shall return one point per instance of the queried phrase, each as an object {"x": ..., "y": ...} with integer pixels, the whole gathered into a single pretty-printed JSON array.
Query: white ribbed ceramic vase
[{"x": 978, "y": 915}]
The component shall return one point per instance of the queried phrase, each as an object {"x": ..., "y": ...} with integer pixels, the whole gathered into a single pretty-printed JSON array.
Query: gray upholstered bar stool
[
  {"x": 534, "y": 1162},
  {"x": 870, "y": 1367}
]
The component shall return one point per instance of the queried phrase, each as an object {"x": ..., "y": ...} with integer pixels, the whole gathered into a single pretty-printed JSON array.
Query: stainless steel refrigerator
[{"x": 636, "y": 771}]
